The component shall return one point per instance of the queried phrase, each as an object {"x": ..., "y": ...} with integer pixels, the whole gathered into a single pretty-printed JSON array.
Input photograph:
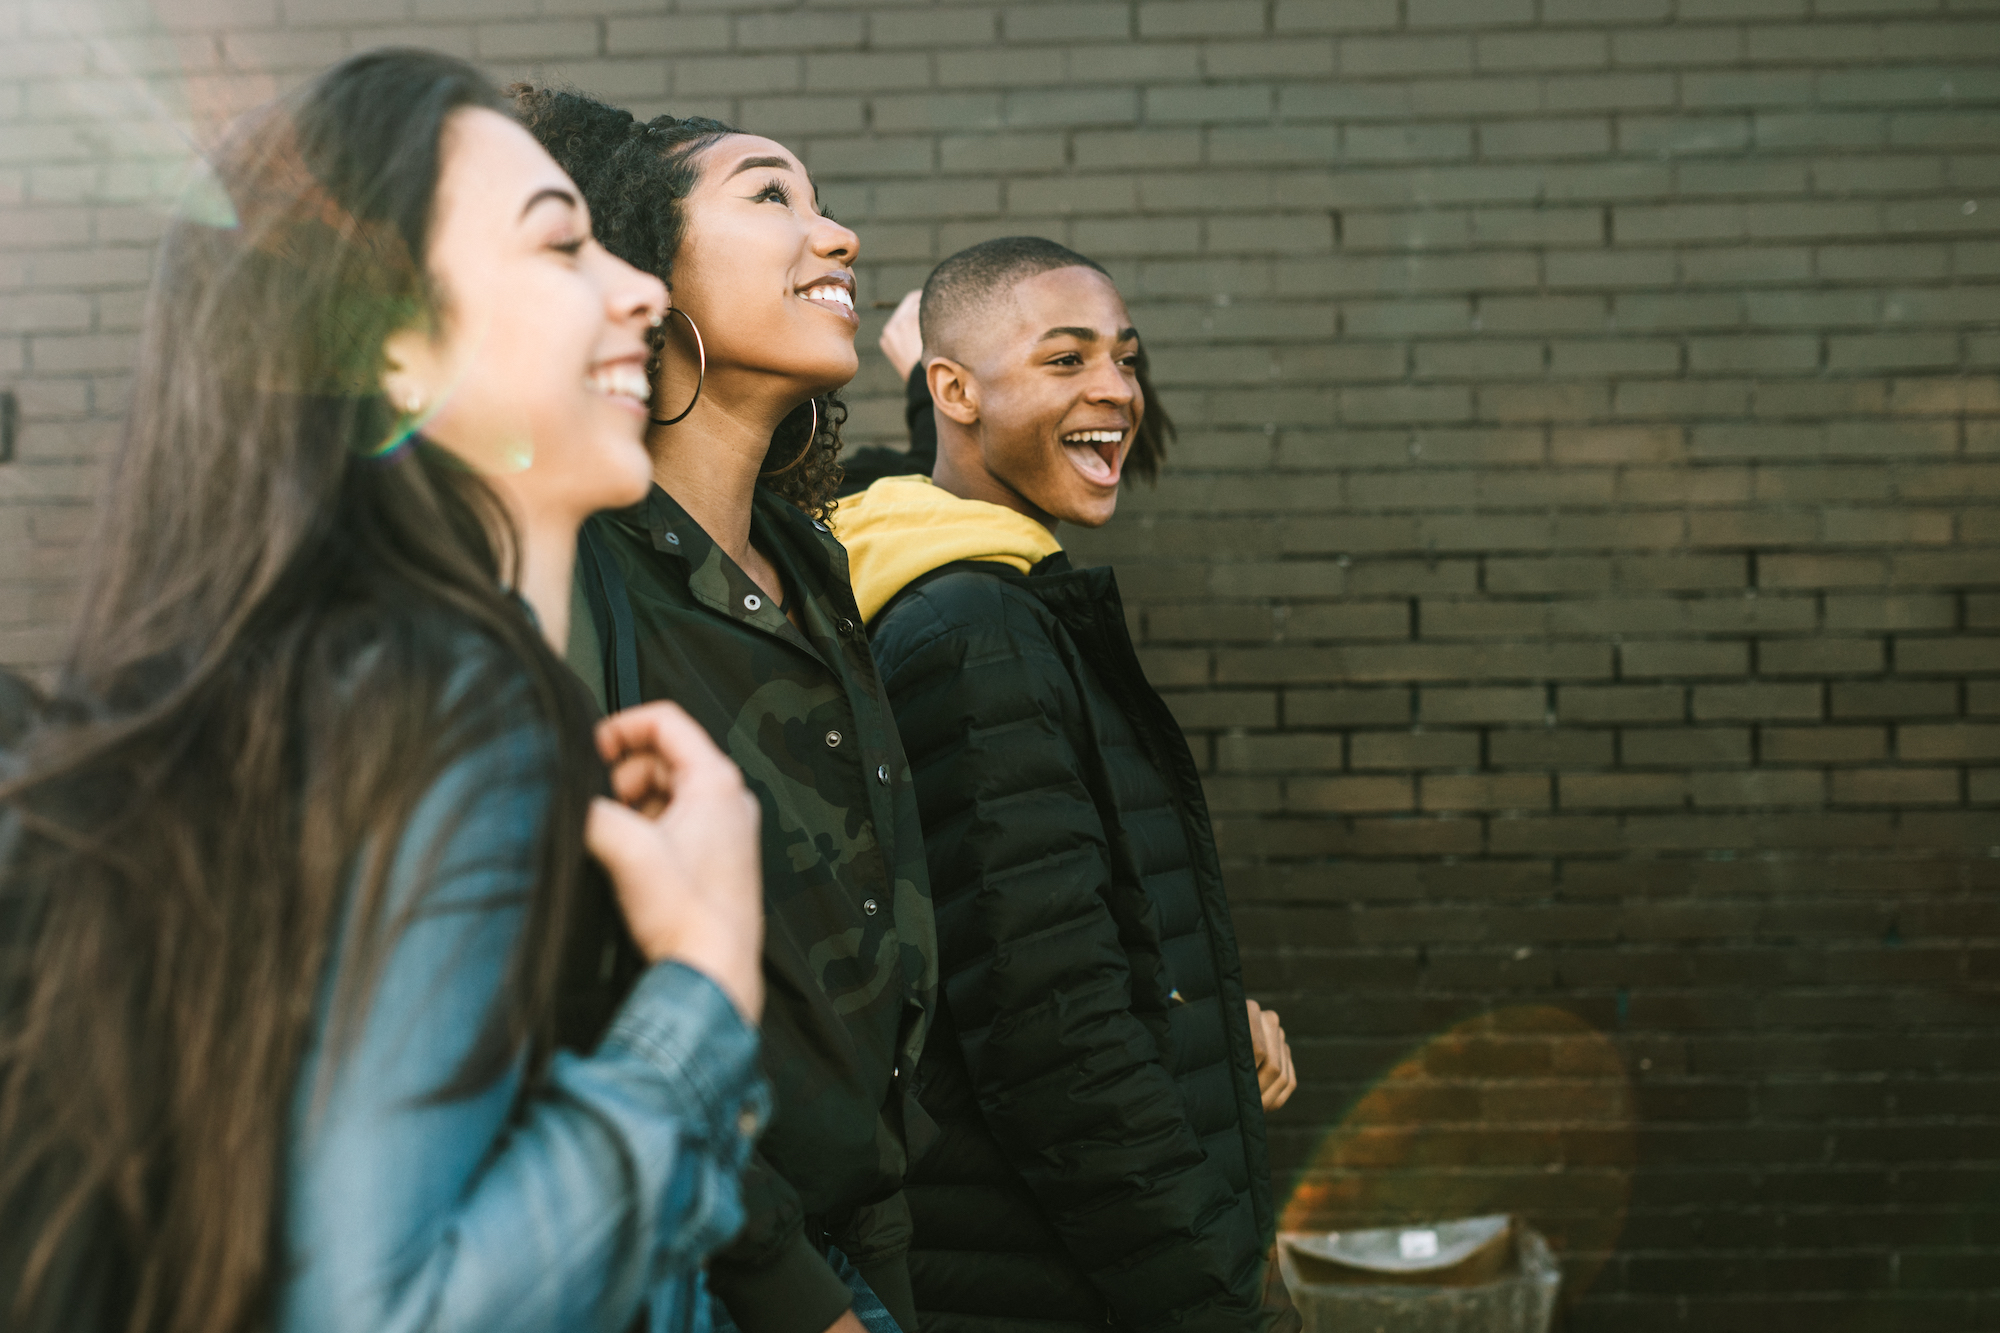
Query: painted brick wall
[{"x": 1579, "y": 572}]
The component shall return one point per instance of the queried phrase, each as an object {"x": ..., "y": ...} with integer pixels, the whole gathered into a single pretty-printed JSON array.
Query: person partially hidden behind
[{"x": 1098, "y": 1076}]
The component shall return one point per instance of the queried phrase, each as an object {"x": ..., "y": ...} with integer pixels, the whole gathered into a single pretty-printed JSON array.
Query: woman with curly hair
[{"x": 725, "y": 592}]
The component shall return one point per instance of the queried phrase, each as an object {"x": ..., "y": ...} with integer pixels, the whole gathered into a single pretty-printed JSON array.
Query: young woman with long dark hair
[
  {"x": 724, "y": 591},
  {"x": 317, "y": 1015}
]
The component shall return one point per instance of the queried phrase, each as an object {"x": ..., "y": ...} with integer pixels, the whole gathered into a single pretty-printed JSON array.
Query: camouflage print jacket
[{"x": 850, "y": 955}]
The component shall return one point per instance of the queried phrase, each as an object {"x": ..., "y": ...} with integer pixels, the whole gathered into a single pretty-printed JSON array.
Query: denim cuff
[{"x": 680, "y": 1023}]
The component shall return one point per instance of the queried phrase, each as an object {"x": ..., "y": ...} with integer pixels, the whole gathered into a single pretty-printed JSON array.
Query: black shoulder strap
[{"x": 611, "y": 612}]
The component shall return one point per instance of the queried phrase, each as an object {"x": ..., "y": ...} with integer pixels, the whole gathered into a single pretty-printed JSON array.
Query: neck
[
  {"x": 547, "y": 560},
  {"x": 961, "y": 470},
  {"x": 709, "y": 462}
]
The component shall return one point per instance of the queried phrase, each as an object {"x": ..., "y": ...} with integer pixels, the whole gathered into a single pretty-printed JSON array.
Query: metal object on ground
[{"x": 1473, "y": 1275}]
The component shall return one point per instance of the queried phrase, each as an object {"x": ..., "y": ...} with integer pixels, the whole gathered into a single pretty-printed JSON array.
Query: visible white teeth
[
  {"x": 831, "y": 294},
  {"x": 1094, "y": 437},
  {"x": 621, "y": 381}
]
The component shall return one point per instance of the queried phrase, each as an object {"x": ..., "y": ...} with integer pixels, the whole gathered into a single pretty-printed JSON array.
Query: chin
[{"x": 1094, "y": 513}]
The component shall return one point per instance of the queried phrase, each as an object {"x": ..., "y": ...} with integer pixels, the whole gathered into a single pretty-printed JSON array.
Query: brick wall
[{"x": 1579, "y": 572}]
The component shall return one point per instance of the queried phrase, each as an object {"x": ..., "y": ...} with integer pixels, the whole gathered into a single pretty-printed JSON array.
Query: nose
[
  {"x": 1113, "y": 383},
  {"x": 833, "y": 241},
  {"x": 631, "y": 293}
]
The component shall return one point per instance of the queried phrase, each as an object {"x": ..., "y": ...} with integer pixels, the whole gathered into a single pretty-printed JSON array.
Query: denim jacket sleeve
[{"x": 602, "y": 1187}]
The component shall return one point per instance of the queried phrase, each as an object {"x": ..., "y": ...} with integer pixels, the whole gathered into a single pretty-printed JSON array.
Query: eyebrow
[
  {"x": 752, "y": 163},
  {"x": 1086, "y": 335},
  {"x": 560, "y": 196}
]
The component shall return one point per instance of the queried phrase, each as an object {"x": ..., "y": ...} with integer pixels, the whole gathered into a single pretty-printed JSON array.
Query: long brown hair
[
  {"x": 296, "y": 622},
  {"x": 636, "y": 176}
]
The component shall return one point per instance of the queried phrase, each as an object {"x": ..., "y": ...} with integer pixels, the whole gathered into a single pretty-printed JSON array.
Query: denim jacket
[{"x": 566, "y": 1204}]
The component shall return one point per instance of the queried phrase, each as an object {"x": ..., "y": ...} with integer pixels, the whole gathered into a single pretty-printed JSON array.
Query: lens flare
[{"x": 1526, "y": 1109}]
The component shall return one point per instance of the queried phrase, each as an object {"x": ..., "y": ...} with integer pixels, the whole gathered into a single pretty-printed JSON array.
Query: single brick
[
  {"x": 1758, "y": 787},
  {"x": 1362, "y": 620},
  {"x": 1645, "y": 658},
  {"x": 1587, "y": 791},
  {"x": 1216, "y": 710},
  {"x": 869, "y": 72},
  {"x": 1752, "y": 527},
  {"x": 1323, "y": 708},
  {"x": 1119, "y": 149},
  {"x": 1894, "y": 786},
  {"x": 1351, "y": 794},
  {"x": 1548, "y": 748},
  {"x": 1755, "y": 702},
  {"x": 1469, "y": 13},
  {"x": 1681, "y": 746},
  {"x": 1405, "y": 143},
  {"x": 1621, "y": 703},
  {"x": 1818, "y": 657},
  {"x": 1484, "y": 791},
  {"x": 1962, "y": 740},
  {"x": 1893, "y": 699},
  {"x": 1448, "y": 704},
  {"x": 942, "y": 28},
  {"x": 1692, "y": 573},
  {"x": 1071, "y": 22},
  {"x": 1821, "y": 571},
  {"x": 1822, "y": 744},
  {"x": 1413, "y": 749},
  {"x": 1545, "y": 574},
  {"x": 1899, "y": 351},
  {"x": 1947, "y": 656},
  {"x": 1200, "y": 18},
  {"x": 1380, "y": 56},
  {"x": 1890, "y": 611},
  {"x": 1597, "y": 12},
  {"x": 1208, "y": 105}
]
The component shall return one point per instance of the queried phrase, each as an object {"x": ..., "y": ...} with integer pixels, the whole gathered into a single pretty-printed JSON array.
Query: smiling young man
[{"x": 1092, "y": 1066}]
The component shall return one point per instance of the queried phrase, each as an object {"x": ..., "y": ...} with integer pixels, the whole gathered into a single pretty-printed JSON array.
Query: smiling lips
[
  {"x": 1094, "y": 453},
  {"x": 835, "y": 290}
]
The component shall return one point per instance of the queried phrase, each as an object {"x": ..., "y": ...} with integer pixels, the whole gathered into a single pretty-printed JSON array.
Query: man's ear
[{"x": 953, "y": 389}]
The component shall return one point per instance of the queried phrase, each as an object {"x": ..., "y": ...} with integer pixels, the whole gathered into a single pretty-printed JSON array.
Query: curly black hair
[{"x": 636, "y": 175}]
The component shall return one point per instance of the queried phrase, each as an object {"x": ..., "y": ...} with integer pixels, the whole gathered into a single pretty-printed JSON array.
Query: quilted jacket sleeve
[{"x": 1071, "y": 1083}]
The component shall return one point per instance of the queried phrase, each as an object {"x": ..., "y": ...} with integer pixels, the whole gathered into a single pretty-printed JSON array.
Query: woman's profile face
[
  {"x": 535, "y": 375},
  {"x": 766, "y": 275}
]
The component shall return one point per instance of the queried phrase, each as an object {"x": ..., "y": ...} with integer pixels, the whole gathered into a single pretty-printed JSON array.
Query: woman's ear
[
  {"x": 953, "y": 389},
  {"x": 406, "y": 355}
]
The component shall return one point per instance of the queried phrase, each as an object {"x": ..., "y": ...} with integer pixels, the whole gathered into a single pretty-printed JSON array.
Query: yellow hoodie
[{"x": 901, "y": 528}]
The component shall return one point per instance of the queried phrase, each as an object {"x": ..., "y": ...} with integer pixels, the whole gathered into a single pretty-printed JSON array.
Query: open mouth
[
  {"x": 1094, "y": 453},
  {"x": 835, "y": 290},
  {"x": 622, "y": 381}
]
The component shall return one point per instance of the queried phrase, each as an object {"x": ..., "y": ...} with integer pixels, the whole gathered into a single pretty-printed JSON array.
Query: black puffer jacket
[{"x": 1102, "y": 1157}]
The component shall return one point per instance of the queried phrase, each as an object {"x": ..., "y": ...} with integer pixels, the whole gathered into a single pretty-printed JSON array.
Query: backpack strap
[{"x": 611, "y": 612}]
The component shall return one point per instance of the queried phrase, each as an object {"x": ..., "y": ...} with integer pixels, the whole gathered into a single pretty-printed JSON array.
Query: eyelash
[
  {"x": 571, "y": 248},
  {"x": 773, "y": 188},
  {"x": 1069, "y": 358}
]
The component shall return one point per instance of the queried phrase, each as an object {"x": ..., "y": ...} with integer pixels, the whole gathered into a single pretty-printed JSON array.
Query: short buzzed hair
[
  {"x": 976, "y": 276},
  {"x": 971, "y": 280}
]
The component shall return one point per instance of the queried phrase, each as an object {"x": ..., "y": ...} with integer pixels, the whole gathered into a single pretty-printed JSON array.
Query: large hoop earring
[
  {"x": 701, "y": 375},
  {"x": 812, "y": 438}
]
